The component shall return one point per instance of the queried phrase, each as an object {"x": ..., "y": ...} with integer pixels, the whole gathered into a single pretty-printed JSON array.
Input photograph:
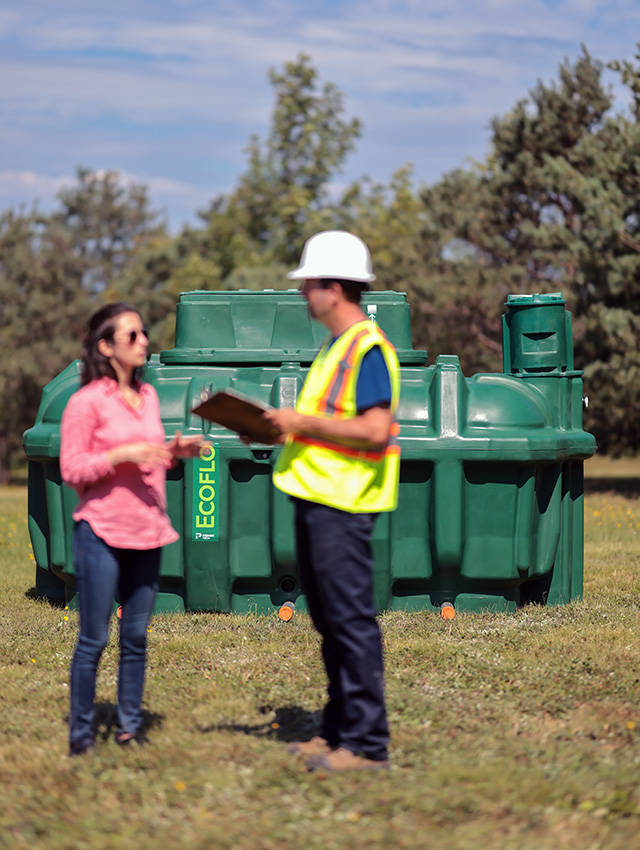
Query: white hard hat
[{"x": 334, "y": 254}]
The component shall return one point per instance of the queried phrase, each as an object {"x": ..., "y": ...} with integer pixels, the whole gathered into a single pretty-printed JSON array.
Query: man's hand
[
  {"x": 368, "y": 430},
  {"x": 286, "y": 420}
]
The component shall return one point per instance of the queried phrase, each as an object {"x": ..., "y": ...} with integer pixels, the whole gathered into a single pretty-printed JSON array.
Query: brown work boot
[
  {"x": 317, "y": 746},
  {"x": 343, "y": 759}
]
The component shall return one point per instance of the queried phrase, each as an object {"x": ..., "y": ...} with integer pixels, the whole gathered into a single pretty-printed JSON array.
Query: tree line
[{"x": 555, "y": 206}]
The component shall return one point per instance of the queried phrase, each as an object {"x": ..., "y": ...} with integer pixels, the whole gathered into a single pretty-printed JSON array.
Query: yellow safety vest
[{"x": 331, "y": 473}]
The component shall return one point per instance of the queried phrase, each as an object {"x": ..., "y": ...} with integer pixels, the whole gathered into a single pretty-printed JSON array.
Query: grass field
[{"x": 509, "y": 731}]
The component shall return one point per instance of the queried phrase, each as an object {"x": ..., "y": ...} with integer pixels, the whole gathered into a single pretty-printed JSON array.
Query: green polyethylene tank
[{"x": 490, "y": 511}]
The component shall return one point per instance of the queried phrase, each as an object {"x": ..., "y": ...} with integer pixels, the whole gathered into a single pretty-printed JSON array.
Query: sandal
[{"x": 125, "y": 739}]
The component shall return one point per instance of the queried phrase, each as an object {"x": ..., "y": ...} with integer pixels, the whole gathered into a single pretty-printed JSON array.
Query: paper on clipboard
[{"x": 239, "y": 413}]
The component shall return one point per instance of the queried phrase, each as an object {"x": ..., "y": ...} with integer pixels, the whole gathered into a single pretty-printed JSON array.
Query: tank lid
[
  {"x": 534, "y": 299},
  {"x": 273, "y": 326}
]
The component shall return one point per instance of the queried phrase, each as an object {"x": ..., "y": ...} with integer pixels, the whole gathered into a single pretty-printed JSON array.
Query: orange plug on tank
[
  {"x": 286, "y": 611},
  {"x": 447, "y": 611}
]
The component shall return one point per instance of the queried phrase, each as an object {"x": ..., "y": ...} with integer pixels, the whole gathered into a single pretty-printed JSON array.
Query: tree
[
  {"x": 54, "y": 271},
  {"x": 555, "y": 207},
  {"x": 287, "y": 178},
  {"x": 107, "y": 221},
  {"x": 458, "y": 299},
  {"x": 279, "y": 200},
  {"x": 44, "y": 311},
  {"x": 567, "y": 179}
]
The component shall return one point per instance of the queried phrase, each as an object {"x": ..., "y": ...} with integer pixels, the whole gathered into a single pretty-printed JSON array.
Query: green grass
[{"x": 508, "y": 731}]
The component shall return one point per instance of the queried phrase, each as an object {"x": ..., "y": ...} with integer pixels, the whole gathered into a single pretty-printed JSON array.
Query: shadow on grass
[
  {"x": 623, "y": 486},
  {"x": 291, "y": 723},
  {"x": 105, "y": 720},
  {"x": 33, "y": 593}
]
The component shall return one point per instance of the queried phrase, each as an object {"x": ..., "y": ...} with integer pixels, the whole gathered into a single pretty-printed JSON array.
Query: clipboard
[{"x": 238, "y": 413}]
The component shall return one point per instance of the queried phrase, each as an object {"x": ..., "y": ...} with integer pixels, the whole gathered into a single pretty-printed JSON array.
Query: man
[{"x": 340, "y": 464}]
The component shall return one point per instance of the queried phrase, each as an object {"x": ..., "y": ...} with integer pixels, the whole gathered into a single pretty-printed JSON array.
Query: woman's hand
[
  {"x": 185, "y": 447},
  {"x": 142, "y": 454}
]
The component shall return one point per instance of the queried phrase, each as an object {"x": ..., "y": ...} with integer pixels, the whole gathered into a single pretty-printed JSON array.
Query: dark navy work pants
[{"x": 336, "y": 575}]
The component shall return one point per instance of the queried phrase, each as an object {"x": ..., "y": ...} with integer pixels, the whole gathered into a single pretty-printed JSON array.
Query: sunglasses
[{"x": 133, "y": 335}]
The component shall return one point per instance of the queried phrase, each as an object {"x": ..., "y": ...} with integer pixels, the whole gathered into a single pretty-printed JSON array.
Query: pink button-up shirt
[{"x": 125, "y": 505}]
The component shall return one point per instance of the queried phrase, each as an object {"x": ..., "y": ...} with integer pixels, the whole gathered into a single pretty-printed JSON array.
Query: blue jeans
[
  {"x": 336, "y": 574},
  {"x": 103, "y": 571}
]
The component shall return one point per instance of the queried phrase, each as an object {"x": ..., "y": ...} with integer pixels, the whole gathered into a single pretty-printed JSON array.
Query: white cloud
[
  {"x": 217, "y": 60},
  {"x": 172, "y": 89},
  {"x": 30, "y": 185},
  {"x": 164, "y": 193}
]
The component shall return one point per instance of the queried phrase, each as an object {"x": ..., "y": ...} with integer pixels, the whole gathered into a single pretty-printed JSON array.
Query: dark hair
[
  {"x": 352, "y": 289},
  {"x": 102, "y": 325}
]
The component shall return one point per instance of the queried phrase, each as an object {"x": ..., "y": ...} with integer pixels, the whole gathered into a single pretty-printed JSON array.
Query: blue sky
[{"x": 168, "y": 91}]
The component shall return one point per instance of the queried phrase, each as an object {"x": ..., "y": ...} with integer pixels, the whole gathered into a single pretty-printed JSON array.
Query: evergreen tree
[
  {"x": 54, "y": 271},
  {"x": 555, "y": 207},
  {"x": 107, "y": 222},
  {"x": 45, "y": 308}
]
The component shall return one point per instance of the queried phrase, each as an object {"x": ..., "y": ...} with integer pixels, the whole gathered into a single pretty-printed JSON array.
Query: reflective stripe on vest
[
  {"x": 331, "y": 473},
  {"x": 338, "y": 384}
]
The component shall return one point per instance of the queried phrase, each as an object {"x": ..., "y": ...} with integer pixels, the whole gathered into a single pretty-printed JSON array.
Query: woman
[{"x": 113, "y": 453}]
